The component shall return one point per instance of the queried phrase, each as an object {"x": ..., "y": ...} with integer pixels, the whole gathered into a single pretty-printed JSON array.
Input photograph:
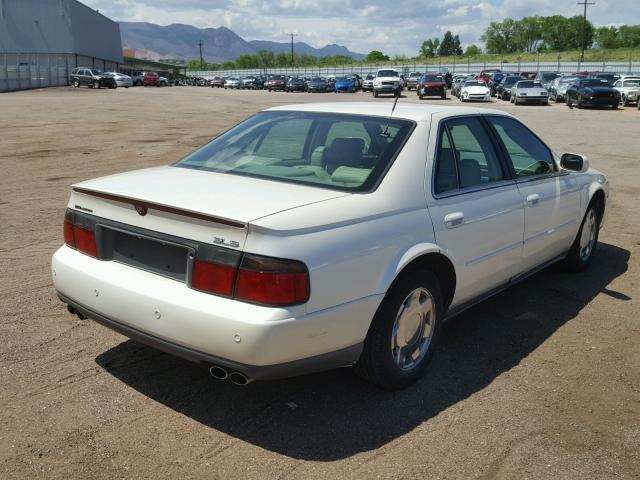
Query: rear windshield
[
  {"x": 338, "y": 151},
  {"x": 387, "y": 73}
]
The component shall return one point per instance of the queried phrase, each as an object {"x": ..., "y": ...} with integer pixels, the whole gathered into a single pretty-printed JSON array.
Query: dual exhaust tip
[
  {"x": 217, "y": 372},
  {"x": 237, "y": 378}
]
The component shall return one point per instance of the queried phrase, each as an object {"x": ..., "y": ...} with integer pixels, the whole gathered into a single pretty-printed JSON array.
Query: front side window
[
  {"x": 527, "y": 153},
  {"x": 466, "y": 157},
  {"x": 339, "y": 151}
]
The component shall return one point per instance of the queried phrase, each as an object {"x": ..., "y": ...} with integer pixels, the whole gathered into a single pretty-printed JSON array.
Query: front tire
[
  {"x": 585, "y": 243},
  {"x": 404, "y": 332}
]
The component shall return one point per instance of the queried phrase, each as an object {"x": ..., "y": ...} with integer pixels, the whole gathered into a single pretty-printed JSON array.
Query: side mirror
[{"x": 574, "y": 162}]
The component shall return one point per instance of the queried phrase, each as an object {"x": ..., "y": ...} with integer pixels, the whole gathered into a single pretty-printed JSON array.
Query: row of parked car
[
  {"x": 579, "y": 89},
  {"x": 95, "y": 78}
]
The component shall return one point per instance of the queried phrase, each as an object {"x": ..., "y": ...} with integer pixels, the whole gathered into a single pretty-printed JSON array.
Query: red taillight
[
  {"x": 272, "y": 282},
  {"x": 79, "y": 238},
  {"x": 213, "y": 277},
  {"x": 68, "y": 234},
  {"x": 85, "y": 240}
]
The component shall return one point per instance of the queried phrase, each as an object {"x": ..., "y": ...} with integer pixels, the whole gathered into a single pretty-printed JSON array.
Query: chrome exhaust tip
[
  {"x": 239, "y": 379},
  {"x": 218, "y": 373}
]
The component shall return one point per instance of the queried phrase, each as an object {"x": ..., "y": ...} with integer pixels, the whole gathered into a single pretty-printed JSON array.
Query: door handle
[
  {"x": 453, "y": 220},
  {"x": 533, "y": 199}
]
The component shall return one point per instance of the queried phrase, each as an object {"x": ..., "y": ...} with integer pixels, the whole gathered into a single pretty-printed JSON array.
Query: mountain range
[{"x": 218, "y": 44}]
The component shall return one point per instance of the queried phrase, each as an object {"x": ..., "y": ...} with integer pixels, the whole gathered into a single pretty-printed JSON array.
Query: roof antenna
[{"x": 386, "y": 128}]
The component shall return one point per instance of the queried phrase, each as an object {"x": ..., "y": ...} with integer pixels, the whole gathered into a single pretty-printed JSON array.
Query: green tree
[
  {"x": 607, "y": 37},
  {"x": 447, "y": 46},
  {"x": 629, "y": 35},
  {"x": 377, "y": 56},
  {"x": 472, "y": 51},
  {"x": 429, "y": 48},
  {"x": 457, "y": 48},
  {"x": 228, "y": 66},
  {"x": 266, "y": 58}
]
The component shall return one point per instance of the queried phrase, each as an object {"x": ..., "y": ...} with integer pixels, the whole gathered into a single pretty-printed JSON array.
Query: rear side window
[
  {"x": 528, "y": 154},
  {"x": 466, "y": 157}
]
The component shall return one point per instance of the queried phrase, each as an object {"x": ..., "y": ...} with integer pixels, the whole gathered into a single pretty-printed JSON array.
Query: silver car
[
  {"x": 629, "y": 89},
  {"x": 121, "y": 79},
  {"x": 412, "y": 80},
  {"x": 558, "y": 88},
  {"x": 529, "y": 91},
  {"x": 232, "y": 82}
]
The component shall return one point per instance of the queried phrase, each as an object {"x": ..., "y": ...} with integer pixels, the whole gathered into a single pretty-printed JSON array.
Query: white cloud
[{"x": 361, "y": 25}]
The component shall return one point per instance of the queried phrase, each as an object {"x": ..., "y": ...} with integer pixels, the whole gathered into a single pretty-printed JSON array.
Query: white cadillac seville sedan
[{"x": 317, "y": 236}]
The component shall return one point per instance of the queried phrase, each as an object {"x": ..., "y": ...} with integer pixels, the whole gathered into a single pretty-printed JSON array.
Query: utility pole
[
  {"x": 201, "y": 59},
  {"x": 292, "y": 35},
  {"x": 584, "y": 27}
]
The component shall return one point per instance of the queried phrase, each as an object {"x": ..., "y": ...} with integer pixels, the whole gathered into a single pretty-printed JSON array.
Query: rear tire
[
  {"x": 584, "y": 246},
  {"x": 403, "y": 333},
  {"x": 76, "y": 83}
]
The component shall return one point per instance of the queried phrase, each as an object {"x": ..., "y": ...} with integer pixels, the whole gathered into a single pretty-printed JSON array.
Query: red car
[
  {"x": 154, "y": 80},
  {"x": 217, "y": 82},
  {"x": 277, "y": 82},
  {"x": 528, "y": 75},
  {"x": 485, "y": 75},
  {"x": 431, "y": 85}
]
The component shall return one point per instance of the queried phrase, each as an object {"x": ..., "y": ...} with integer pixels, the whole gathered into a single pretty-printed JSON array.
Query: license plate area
[{"x": 154, "y": 255}]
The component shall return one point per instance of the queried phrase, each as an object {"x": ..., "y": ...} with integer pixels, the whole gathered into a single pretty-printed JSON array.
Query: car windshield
[
  {"x": 338, "y": 151},
  {"x": 387, "y": 73},
  {"x": 567, "y": 80},
  {"x": 432, "y": 78},
  {"x": 369, "y": 77},
  {"x": 526, "y": 84},
  {"x": 548, "y": 76},
  {"x": 95, "y": 71},
  {"x": 474, "y": 83},
  {"x": 511, "y": 80},
  {"x": 317, "y": 79},
  {"x": 343, "y": 79},
  {"x": 593, "y": 82},
  {"x": 631, "y": 83}
]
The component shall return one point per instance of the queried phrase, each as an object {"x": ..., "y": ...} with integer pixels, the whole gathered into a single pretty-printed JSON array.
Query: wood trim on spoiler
[{"x": 163, "y": 208}]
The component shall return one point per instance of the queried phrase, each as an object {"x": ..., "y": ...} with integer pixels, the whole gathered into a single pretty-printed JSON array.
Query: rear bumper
[{"x": 262, "y": 342}]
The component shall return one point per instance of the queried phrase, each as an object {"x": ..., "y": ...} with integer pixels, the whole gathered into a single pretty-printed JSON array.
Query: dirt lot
[{"x": 542, "y": 381}]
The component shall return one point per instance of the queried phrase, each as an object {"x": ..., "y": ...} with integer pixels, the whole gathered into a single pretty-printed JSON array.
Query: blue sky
[{"x": 391, "y": 26}]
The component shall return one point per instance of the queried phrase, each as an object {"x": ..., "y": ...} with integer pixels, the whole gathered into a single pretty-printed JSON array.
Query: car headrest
[
  {"x": 345, "y": 152},
  {"x": 469, "y": 173}
]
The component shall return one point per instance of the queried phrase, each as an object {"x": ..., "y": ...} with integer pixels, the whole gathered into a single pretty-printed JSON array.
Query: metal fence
[
  {"x": 462, "y": 67},
  {"x": 21, "y": 71}
]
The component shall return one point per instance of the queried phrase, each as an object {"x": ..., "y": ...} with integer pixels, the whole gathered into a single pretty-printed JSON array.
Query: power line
[{"x": 584, "y": 25}]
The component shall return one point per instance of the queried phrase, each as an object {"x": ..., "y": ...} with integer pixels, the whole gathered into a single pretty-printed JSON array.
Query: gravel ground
[{"x": 541, "y": 381}]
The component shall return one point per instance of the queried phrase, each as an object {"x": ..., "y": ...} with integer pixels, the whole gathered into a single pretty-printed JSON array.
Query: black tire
[
  {"x": 614, "y": 106},
  {"x": 623, "y": 101},
  {"x": 420, "y": 96},
  {"x": 575, "y": 262},
  {"x": 376, "y": 363},
  {"x": 444, "y": 95},
  {"x": 96, "y": 84},
  {"x": 76, "y": 83},
  {"x": 375, "y": 94}
]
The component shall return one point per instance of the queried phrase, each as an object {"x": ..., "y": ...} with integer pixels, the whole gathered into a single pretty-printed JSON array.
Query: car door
[
  {"x": 551, "y": 196},
  {"x": 475, "y": 206}
]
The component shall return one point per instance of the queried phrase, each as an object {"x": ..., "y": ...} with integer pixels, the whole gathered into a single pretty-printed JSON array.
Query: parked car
[
  {"x": 496, "y": 78},
  {"x": 217, "y": 82},
  {"x": 608, "y": 77},
  {"x": 318, "y": 236},
  {"x": 458, "y": 82},
  {"x": 137, "y": 78},
  {"x": 152, "y": 79},
  {"x": 528, "y": 75},
  {"x": 357, "y": 80},
  {"x": 547, "y": 78},
  {"x": 367, "y": 83},
  {"x": 277, "y": 82},
  {"x": 318, "y": 85},
  {"x": 503, "y": 89},
  {"x": 345, "y": 84},
  {"x": 475, "y": 90},
  {"x": 558, "y": 88},
  {"x": 247, "y": 82},
  {"x": 431, "y": 85},
  {"x": 592, "y": 92},
  {"x": 387, "y": 81},
  {"x": 296, "y": 84},
  {"x": 529, "y": 91},
  {"x": 412, "y": 80},
  {"x": 486, "y": 74},
  {"x": 90, "y": 77},
  {"x": 121, "y": 79},
  {"x": 258, "y": 82},
  {"x": 233, "y": 82},
  {"x": 629, "y": 90}
]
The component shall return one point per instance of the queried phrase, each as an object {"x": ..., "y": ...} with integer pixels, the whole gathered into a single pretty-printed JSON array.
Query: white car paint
[
  {"x": 354, "y": 245},
  {"x": 475, "y": 93},
  {"x": 525, "y": 94}
]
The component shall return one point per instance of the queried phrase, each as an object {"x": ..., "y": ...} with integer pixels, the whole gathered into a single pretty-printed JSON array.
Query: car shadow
[{"x": 334, "y": 415}]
